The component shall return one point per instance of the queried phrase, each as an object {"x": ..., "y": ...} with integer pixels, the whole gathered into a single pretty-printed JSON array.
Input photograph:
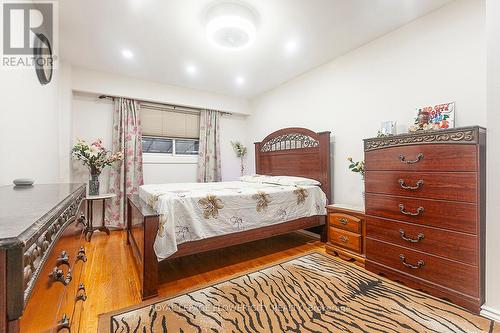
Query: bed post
[{"x": 257, "y": 157}]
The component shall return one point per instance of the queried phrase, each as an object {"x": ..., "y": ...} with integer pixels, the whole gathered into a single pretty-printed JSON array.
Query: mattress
[{"x": 194, "y": 211}]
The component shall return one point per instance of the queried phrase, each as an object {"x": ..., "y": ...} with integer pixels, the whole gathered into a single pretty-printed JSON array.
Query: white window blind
[{"x": 170, "y": 124}]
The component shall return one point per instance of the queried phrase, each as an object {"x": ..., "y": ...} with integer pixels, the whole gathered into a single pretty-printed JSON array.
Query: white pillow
[
  {"x": 292, "y": 181},
  {"x": 280, "y": 180}
]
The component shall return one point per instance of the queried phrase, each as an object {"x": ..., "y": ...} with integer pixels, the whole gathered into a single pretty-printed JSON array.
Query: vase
[{"x": 94, "y": 185}]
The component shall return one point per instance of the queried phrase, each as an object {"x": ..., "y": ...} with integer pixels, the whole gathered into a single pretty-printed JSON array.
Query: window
[{"x": 170, "y": 146}]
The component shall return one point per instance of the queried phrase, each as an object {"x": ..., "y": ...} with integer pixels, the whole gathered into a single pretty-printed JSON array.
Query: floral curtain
[
  {"x": 125, "y": 178},
  {"x": 209, "y": 168}
]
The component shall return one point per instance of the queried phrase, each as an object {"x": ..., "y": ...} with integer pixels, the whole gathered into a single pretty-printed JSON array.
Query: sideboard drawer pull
[
  {"x": 408, "y": 187},
  {"x": 420, "y": 237},
  {"x": 81, "y": 294},
  {"x": 402, "y": 158},
  {"x": 81, "y": 255},
  {"x": 419, "y": 264},
  {"x": 63, "y": 259},
  {"x": 343, "y": 220},
  {"x": 344, "y": 238},
  {"x": 63, "y": 324},
  {"x": 402, "y": 209},
  {"x": 57, "y": 275}
]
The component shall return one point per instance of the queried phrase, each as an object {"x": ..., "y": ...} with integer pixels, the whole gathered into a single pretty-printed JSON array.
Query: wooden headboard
[{"x": 297, "y": 152}]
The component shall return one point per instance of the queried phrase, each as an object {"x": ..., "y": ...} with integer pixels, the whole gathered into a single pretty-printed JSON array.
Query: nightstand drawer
[
  {"x": 345, "y": 239},
  {"x": 345, "y": 222}
]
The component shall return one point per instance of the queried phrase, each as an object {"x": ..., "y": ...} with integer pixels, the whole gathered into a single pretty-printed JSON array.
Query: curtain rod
[{"x": 165, "y": 106}]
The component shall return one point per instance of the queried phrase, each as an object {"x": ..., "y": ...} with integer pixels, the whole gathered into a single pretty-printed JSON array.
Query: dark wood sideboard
[
  {"x": 42, "y": 258},
  {"x": 425, "y": 211}
]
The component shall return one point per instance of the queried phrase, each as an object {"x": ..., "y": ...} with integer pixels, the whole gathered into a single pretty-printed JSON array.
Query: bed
[{"x": 174, "y": 220}]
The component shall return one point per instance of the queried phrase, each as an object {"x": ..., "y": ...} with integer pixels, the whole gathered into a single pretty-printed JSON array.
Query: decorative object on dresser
[
  {"x": 425, "y": 211},
  {"x": 95, "y": 157},
  {"x": 90, "y": 229},
  {"x": 42, "y": 257},
  {"x": 346, "y": 233}
]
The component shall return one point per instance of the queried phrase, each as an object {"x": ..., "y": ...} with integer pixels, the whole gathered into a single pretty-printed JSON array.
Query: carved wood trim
[
  {"x": 36, "y": 255},
  {"x": 465, "y": 135}
]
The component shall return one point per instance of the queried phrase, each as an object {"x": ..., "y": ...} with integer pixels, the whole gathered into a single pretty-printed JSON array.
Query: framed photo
[{"x": 440, "y": 116}]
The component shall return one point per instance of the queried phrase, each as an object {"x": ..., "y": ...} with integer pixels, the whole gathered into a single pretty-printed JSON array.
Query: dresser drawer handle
[
  {"x": 81, "y": 294},
  {"x": 420, "y": 157},
  {"x": 420, "y": 210},
  {"x": 344, "y": 238},
  {"x": 343, "y": 220},
  {"x": 420, "y": 236},
  {"x": 57, "y": 275},
  {"x": 63, "y": 259},
  {"x": 419, "y": 264},
  {"x": 63, "y": 324},
  {"x": 407, "y": 187}
]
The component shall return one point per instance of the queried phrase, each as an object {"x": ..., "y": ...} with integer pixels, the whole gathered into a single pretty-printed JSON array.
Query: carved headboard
[{"x": 297, "y": 152}]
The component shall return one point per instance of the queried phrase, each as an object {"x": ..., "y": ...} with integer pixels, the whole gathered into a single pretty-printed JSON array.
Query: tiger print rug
[{"x": 310, "y": 293}]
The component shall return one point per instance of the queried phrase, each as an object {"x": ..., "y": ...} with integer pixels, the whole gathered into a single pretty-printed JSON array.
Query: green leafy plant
[
  {"x": 241, "y": 152},
  {"x": 358, "y": 167}
]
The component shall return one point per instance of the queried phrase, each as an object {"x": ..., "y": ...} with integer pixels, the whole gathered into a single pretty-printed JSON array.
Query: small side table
[
  {"x": 90, "y": 229},
  {"x": 346, "y": 233}
]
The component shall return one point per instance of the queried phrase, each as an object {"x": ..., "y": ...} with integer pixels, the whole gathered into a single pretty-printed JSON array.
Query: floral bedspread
[{"x": 193, "y": 211}]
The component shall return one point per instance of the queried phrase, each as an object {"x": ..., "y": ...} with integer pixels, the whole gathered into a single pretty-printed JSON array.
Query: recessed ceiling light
[
  {"x": 240, "y": 80},
  {"x": 231, "y": 25},
  {"x": 127, "y": 54},
  {"x": 191, "y": 69}
]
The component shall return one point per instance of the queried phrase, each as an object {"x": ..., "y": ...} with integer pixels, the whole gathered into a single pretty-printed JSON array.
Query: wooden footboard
[{"x": 142, "y": 226}]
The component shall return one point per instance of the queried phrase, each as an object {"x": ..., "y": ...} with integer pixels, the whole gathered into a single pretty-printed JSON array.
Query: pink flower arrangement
[{"x": 94, "y": 156}]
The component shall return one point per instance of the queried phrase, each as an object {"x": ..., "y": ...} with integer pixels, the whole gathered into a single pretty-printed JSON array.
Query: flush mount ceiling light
[{"x": 231, "y": 25}]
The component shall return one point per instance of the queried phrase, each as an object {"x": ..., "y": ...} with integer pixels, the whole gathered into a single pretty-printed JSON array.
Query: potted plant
[
  {"x": 95, "y": 157},
  {"x": 241, "y": 152}
]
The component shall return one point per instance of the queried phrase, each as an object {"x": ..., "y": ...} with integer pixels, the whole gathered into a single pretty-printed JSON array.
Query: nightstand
[{"x": 346, "y": 233}]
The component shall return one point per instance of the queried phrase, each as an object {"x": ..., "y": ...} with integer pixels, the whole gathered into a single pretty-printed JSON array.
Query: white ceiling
[{"x": 167, "y": 36}]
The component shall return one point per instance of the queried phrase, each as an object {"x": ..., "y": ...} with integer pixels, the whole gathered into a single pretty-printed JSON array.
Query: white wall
[
  {"x": 492, "y": 305},
  {"x": 29, "y": 130},
  {"x": 437, "y": 58},
  {"x": 90, "y": 81}
]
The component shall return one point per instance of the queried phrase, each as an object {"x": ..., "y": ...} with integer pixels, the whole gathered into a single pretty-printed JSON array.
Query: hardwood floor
[{"x": 114, "y": 283}]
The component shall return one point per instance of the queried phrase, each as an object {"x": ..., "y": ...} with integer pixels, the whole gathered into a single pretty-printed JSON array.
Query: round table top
[{"x": 100, "y": 196}]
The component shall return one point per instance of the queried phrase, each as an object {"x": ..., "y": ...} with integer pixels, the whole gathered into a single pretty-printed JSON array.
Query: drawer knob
[
  {"x": 343, "y": 220},
  {"x": 344, "y": 238},
  {"x": 81, "y": 255},
  {"x": 57, "y": 275},
  {"x": 420, "y": 157},
  {"x": 420, "y": 236},
  {"x": 81, "y": 294},
  {"x": 409, "y": 187},
  {"x": 402, "y": 209},
  {"x": 63, "y": 324},
  {"x": 419, "y": 264},
  {"x": 63, "y": 259}
]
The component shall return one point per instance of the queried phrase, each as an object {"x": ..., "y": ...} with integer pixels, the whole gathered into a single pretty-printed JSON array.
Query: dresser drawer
[
  {"x": 436, "y": 213},
  {"x": 345, "y": 239},
  {"x": 444, "y": 272},
  {"x": 456, "y": 186},
  {"x": 345, "y": 222},
  {"x": 448, "y": 244},
  {"x": 443, "y": 157}
]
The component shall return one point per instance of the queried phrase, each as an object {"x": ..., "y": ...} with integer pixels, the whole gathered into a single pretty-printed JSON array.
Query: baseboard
[{"x": 490, "y": 313}]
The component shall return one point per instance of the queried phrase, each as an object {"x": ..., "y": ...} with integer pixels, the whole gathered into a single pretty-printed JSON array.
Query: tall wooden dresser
[{"x": 425, "y": 211}]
